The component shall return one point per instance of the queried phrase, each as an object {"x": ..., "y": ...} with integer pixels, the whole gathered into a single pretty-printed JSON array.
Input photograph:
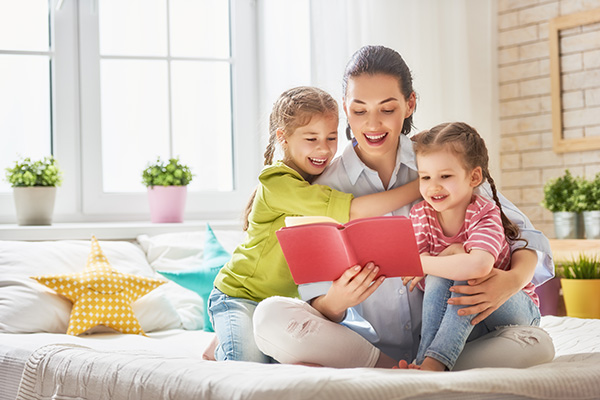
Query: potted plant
[
  {"x": 589, "y": 196},
  {"x": 34, "y": 189},
  {"x": 580, "y": 281},
  {"x": 561, "y": 198},
  {"x": 167, "y": 189}
]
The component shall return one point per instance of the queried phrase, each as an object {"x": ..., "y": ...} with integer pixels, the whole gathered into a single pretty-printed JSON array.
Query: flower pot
[
  {"x": 567, "y": 225},
  {"x": 167, "y": 203},
  {"x": 34, "y": 204},
  {"x": 591, "y": 222},
  {"x": 549, "y": 293},
  {"x": 582, "y": 297}
]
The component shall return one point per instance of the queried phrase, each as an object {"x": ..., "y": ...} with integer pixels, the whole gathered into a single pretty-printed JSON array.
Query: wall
[{"x": 526, "y": 156}]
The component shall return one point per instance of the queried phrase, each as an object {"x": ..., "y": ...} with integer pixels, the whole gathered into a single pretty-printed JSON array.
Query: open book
[{"x": 321, "y": 249}]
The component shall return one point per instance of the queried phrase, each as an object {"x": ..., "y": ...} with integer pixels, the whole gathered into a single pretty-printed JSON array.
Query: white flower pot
[
  {"x": 567, "y": 225},
  {"x": 591, "y": 221},
  {"x": 34, "y": 204}
]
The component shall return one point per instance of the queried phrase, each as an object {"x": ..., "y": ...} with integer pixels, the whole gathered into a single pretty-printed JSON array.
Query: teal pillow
[{"x": 201, "y": 279}]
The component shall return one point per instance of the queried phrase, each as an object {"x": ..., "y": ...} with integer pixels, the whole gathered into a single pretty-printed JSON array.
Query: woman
[{"x": 379, "y": 102}]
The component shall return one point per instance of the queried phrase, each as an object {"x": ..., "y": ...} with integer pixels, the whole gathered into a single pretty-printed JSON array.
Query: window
[{"x": 113, "y": 85}]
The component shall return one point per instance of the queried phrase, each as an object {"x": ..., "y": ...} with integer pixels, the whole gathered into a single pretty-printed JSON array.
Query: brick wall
[{"x": 526, "y": 156}]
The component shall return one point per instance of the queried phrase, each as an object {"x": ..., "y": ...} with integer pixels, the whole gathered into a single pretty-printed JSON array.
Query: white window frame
[{"x": 76, "y": 124}]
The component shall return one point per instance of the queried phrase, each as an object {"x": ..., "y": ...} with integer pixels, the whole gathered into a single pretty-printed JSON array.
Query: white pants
[{"x": 291, "y": 331}]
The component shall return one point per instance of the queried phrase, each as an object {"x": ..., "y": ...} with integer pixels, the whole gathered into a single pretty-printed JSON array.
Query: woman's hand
[
  {"x": 352, "y": 288},
  {"x": 485, "y": 295},
  {"x": 415, "y": 280}
]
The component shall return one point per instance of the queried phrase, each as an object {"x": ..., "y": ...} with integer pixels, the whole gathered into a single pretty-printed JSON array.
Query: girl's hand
[
  {"x": 454, "y": 248},
  {"x": 484, "y": 295},
  {"x": 415, "y": 280},
  {"x": 352, "y": 288}
]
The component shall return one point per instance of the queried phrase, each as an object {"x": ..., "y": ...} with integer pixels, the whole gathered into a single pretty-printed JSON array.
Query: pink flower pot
[{"x": 167, "y": 203}]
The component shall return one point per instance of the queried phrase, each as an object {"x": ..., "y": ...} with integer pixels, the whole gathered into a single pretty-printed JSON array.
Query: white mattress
[{"x": 168, "y": 365}]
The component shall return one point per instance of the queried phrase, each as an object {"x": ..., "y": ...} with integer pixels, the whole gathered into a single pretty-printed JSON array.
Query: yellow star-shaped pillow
[{"x": 101, "y": 295}]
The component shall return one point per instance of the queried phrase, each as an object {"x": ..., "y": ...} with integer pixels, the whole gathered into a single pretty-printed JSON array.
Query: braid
[{"x": 511, "y": 230}]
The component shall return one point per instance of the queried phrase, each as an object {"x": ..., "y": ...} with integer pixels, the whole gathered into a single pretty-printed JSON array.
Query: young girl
[
  {"x": 304, "y": 122},
  {"x": 379, "y": 102},
  {"x": 452, "y": 161}
]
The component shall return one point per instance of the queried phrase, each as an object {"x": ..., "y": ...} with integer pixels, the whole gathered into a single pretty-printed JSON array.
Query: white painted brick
[
  {"x": 518, "y": 36},
  {"x": 510, "y": 5},
  {"x": 581, "y": 80},
  {"x": 580, "y": 118},
  {"x": 541, "y": 159},
  {"x": 573, "y": 133},
  {"x": 572, "y": 100},
  {"x": 592, "y": 131},
  {"x": 532, "y": 195},
  {"x": 521, "y": 178},
  {"x": 540, "y": 13},
  {"x": 508, "y": 91},
  {"x": 591, "y": 59},
  {"x": 520, "y": 107},
  {"x": 528, "y": 124},
  {"x": 571, "y": 62},
  {"x": 508, "y": 20},
  {"x": 574, "y": 6},
  {"x": 592, "y": 97},
  {"x": 534, "y": 51},
  {"x": 510, "y": 161},
  {"x": 520, "y": 143},
  {"x": 535, "y": 86},
  {"x": 519, "y": 72},
  {"x": 508, "y": 55},
  {"x": 581, "y": 42}
]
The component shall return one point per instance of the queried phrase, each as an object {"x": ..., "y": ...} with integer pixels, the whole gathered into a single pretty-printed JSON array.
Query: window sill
[
  {"x": 570, "y": 249},
  {"x": 106, "y": 230}
]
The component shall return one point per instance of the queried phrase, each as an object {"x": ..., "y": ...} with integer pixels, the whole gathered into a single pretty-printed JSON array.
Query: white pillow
[
  {"x": 180, "y": 251},
  {"x": 27, "y": 306}
]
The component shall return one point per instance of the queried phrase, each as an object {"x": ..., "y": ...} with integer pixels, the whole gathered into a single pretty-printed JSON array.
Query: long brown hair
[
  {"x": 466, "y": 143},
  {"x": 294, "y": 108}
]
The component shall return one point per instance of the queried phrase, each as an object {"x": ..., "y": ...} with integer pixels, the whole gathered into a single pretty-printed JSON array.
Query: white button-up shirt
[{"x": 391, "y": 317}]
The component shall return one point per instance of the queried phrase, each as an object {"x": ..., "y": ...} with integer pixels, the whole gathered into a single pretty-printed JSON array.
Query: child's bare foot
[
  {"x": 209, "y": 351},
  {"x": 431, "y": 364},
  {"x": 404, "y": 365}
]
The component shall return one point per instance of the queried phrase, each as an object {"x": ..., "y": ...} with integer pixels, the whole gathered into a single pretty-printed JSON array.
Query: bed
[{"x": 39, "y": 361}]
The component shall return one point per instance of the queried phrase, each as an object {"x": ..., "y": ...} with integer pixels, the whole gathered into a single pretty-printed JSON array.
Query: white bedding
[{"x": 168, "y": 365}]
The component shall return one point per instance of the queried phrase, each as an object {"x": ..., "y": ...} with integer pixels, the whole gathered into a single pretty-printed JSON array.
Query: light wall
[{"x": 527, "y": 159}]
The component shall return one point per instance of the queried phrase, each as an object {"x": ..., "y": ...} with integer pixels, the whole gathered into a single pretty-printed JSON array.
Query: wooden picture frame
[{"x": 556, "y": 25}]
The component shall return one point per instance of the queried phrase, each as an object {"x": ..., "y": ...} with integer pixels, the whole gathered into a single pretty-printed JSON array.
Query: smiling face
[
  {"x": 444, "y": 182},
  {"x": 376, "y": 110},
  {"x": 310, "y": 148}
]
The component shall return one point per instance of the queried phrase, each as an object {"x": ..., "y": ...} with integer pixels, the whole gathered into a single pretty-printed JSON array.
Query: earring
[{"x": 348, "y": 132}]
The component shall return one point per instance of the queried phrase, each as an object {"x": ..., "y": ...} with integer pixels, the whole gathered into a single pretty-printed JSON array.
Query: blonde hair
[
  {"x": 465, "y": 142},
  {"x": 293, "y": 109}
]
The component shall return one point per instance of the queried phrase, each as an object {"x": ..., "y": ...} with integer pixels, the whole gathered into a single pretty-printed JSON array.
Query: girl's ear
[
  {"x": 412, "y": 103},
  {"x": 476, "y": 177},
  {"x": 280, "y": 136}
]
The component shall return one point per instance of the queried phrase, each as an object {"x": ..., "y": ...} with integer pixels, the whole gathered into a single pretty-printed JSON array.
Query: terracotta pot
[
  {"x": 582, "y": 297},
  {"x": 34, "y": 204},
  {"x": 167, "y": 203}
]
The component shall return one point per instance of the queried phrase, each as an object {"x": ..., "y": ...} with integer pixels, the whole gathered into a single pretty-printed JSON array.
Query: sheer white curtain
[{"x": 450, "y": 47}]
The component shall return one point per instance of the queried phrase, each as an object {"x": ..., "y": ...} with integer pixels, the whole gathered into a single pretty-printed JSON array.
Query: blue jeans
[
  {"x": 444, "y": 332},
  {"x": 232, "y": 319}
]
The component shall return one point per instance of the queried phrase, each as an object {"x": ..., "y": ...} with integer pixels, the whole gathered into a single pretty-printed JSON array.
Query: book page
[{"x": 309, "y": 219}]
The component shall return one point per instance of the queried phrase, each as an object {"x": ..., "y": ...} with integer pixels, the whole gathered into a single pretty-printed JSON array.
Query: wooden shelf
[{"x": 568, "y": 249}]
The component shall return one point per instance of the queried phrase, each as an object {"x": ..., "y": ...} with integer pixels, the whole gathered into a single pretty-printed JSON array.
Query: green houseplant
[
  {"x": 34, "y": 185},
  {"x": 167, "y": 189},
  {"x": 561, "y": 197},
  {"x": 589, "y": 196},
  {"x": 580, "y": 281}
]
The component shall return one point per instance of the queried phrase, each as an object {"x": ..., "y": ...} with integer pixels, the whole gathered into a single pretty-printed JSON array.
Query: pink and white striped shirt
[{"x": 482, "y": 230}]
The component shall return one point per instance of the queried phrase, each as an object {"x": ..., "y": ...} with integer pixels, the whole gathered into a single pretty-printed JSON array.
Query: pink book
[{"x": 321, "y": 249}]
